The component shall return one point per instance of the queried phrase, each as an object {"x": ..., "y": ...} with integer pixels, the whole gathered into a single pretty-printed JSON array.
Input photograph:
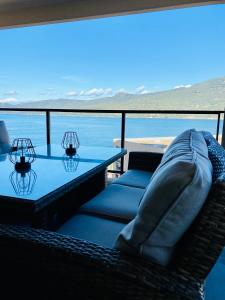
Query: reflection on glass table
[
  {"x": 36, "y": 195},
  {"x": 23, "y": 182},
  {"x": 55, "y": 173},
  {"x": 70, "y": 163}
]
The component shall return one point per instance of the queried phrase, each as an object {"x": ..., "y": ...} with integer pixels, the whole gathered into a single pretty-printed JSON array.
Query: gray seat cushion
[
  {"x": 172, "y": 200},
  {"x": 92, "y": 228},
  {"x": 116, "y": 201},
  {"x": 136, "y": 178}
]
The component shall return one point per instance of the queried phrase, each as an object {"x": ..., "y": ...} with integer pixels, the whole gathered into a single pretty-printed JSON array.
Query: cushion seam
[{"x": 129, "y": 185}]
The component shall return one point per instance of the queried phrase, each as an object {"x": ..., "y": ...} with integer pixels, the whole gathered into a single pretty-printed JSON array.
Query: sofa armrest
[
  {"x": 147, "y": 161},
  {"x": 63, "y": 267}
]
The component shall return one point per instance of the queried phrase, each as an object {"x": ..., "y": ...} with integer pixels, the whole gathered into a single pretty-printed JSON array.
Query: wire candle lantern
[
  {"x": 22, "y": 154},
  {"x": 70, "y": 142}
]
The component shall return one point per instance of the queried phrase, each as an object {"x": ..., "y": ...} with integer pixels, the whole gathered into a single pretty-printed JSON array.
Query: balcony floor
[{"x": 215, "y": 285}]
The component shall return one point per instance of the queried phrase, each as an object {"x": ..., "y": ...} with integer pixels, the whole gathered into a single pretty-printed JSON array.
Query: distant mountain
[{"x": 207, "y": 95}]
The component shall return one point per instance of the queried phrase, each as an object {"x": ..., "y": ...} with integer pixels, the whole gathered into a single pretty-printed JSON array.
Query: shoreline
[{"x": 106, "y": 115}]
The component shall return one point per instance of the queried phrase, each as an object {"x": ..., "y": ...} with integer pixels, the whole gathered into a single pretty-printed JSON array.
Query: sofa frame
[{"x": 42, "y": 264}]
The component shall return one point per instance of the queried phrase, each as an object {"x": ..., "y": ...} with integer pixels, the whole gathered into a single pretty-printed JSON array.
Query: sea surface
[{"x": 98, "y": 131}]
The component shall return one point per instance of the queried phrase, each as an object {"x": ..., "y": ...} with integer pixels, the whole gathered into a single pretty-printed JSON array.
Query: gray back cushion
[{"x": 172, "y": 200}]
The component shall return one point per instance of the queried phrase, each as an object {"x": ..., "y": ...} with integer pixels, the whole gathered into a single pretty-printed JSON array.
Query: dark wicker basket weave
[
  {"x": 62, "y": 267},
  {"x": 40, "y": 264}
]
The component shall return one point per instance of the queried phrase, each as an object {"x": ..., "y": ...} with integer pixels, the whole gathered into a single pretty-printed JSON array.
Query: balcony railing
[{"x": 122, "y": 113}]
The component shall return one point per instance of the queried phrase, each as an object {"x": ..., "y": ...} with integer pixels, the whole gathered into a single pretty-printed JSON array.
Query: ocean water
[{"x": 98, "y": 131}]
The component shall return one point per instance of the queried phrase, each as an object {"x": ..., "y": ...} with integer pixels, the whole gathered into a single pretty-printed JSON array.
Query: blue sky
[{"x": 96, "y": 58}]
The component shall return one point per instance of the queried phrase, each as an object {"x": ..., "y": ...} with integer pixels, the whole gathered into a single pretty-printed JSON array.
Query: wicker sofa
[{"x": 41, "y": 264}]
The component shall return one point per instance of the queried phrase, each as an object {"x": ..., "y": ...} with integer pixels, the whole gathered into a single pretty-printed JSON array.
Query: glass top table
[{"x": 52, "y": 173}]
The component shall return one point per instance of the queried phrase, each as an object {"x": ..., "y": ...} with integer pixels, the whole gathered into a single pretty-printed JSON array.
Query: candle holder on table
[
  {"x": 22, "y": 154},
  {"x": 70, "y": 142}
]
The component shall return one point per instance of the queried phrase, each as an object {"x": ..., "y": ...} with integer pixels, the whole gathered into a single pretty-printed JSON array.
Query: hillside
[{"x": 207, "y": 95}]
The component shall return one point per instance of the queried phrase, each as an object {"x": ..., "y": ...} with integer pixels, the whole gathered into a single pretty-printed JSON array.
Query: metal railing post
[
  {"x": 48, "y": 127},
  {"x": 123, "y": 126},
  {"x": 223, "y": 132},
  {"x": 218, "y": 127}
]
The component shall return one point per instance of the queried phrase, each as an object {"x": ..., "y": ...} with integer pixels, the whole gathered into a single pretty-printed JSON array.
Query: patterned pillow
[{"x": 216, "y": 154}]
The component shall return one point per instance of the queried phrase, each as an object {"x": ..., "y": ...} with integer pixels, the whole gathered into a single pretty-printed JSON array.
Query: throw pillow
[{"x": 216, "y": 154}]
